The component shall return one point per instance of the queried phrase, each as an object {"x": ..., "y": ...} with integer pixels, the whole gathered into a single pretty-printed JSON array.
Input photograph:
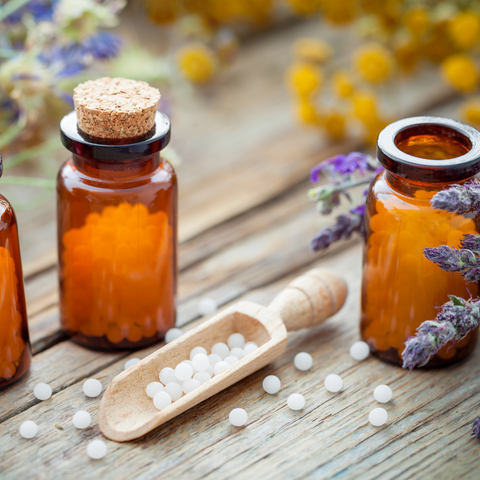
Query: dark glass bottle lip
[
  {"x": 77, "y": 144},
  {"x": 426, "y": 170}
]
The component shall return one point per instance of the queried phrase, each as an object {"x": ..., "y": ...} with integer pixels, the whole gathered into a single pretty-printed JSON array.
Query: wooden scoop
[{"x": 126, "y": 412}]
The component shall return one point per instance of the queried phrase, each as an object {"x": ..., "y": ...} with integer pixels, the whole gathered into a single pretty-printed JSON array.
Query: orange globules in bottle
[
  {"x": 117, "y": 214},
  {"x": 401, "y": 288},
  {"x": 15, "y": 352}
]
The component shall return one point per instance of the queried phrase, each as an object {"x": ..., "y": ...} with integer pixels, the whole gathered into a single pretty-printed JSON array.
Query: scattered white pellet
[
  {"x": 82, "y": 419},
  {"x": 303, "y": 361},
  {"x": 209, "y": 370},
  {"x": 238, "y": 417},
  {"x": 214, "y": 359},
  {"x": 236, "y": 340},
  {"x": 162, "y": 400},
  {"x": 200, "y": 362},
  {"x": 92, "y": 387},
  {"x": 231, "y": 360},
  {"x": 196, "y": 351},
  {"x": 202, "y": 377},
  {"x": 250, "y": 347},
  {"x": 333, "y": 383},
  {"x": 237, "y": 352},
  {"x": 359, "y": 351},
  {"x": 207, "y": 306},
  {"x": 96, "y": 449},
  {"x": 28, "y": 429},
  {"x": 167, "y": 375},
  {"x": 190, "y": 385},
  {"x": 296, "y": 401},
  {"x": 220, "y": 367},
  {"x": 189, "y": 362},
  {"x": 378, "y": 417},
  {"x": 42, "y": 391},
  {"x": 153, "y": 388},
  {"x": 130, "y": 362},
  {"x": 382, "y": 393},
  {"x": 272, "y": 384},
  {"x": 183, "y": 371},
  {"x": 174, "y": 390},
  {"x": 173, "y": 334},
  {"x": 221, "y": 349}
]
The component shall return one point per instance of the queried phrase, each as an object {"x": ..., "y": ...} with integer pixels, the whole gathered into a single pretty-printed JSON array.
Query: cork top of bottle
[{"x": 115, "y": 108}]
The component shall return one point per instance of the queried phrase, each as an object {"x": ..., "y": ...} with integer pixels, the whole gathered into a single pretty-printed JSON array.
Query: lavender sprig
[
  {"x": 343, "y": 228},
  {"x": 455, "y": 319},
  {"x": 459, "y": 198},
  {"x": 476, "y": 428}
]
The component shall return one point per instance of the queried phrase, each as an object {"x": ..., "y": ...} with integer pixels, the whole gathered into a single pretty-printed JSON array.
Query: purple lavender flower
[
  {"x": 343, "y": 165},
  {"x": 471, "y": 242},
  {"x": 102, "y": 46},
  {"x": 476, "y": 428},
  {"x": 40, "y": 10},
  {"x": 459, "y": 198},
  {"x": 342, "y": 229},
  {"x": 455, "y": 319}
]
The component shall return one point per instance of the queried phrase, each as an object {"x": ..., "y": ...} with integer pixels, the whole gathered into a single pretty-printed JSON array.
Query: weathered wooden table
[{"x": 245, "y": 226}]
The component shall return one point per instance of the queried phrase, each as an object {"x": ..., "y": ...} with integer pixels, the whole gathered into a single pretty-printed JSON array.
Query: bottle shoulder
[{"x": 7, "y": 214}]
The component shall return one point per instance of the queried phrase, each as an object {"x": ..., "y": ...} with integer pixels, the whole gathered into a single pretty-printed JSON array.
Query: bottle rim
[
  {"x": 73, "y": 140},
  {"x": 423, "y": 169}
]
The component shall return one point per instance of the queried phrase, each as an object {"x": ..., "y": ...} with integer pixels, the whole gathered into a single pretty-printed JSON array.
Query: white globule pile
[{"x": 201, "y": 366}]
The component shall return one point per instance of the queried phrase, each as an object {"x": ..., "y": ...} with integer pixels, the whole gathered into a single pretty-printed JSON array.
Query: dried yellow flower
[
  {"x": 460, "y": 72},
  {"x": 464, "y": 29},
  {"x": 342, "y": 84},
  {"x": 197, "y": 62},
  {"x": 307, "y": 113},
  {"x": 304, "y": 79},
  {"x": 312, "y": 50},
  {"x": 374, "y": 63}
]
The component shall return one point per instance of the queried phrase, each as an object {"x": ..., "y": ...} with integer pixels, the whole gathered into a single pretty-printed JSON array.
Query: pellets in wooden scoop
[
  {"x": 82, "y": 419},
  {"x": 202, "y": 377},
  {"x": 237, "y": 352},
  {"x": 173, "y": 334},
  {"x": 42, "y": 391},
  {"x": 153, "y": 388},
  {"x": 333, "y": 383},
  {"x": 220, "y": 367},
  {"x": 96, "y": 449},
  {"x": 272, "y": 384},
  {"x": 382, "y": 393},
  {"x": 250, "y": 347},
  {"x": 378, "y": 417},
  {"x": 167, "y": 375},
  {"x": 238, "y": 417},
  {"x": 231, "y": 360},
  {"x": 130, "y": 362},
  {"x": 196, "y": 351},
  {"x": 296, "y": 401},
  {"x": 183, "y": 371},
  {"x": 190, "y": 385},
  {"x": 303, "y": 361},
  {"x": 162, "y": 400},
  {"x": 92, "y": 388},
  {"x": 200, "y": 362},
  {"x": 236, "y": 340},
  {"x": 214, "y": 359},
  {"x": 28, "y": 429},
  {"x": 359, "y": 351},
  {"x": 221, "y": 349},
  {"x": 174, "y": 390}
]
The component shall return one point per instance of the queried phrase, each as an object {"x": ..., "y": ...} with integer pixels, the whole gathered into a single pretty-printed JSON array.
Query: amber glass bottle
[
  {"x": 401, "y": 288},
  {"x": 15, "y": 354},
  {"x": 117, "y": 221}
]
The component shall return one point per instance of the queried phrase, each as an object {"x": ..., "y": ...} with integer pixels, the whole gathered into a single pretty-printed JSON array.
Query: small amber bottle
[
  {"x": 401, "y": 288},
  {"x": 15, "y": 352},
  {"x": 117, "y": 218}
]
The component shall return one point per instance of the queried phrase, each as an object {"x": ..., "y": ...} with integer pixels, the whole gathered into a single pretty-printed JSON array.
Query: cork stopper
[{"x": 115, "y": 108}]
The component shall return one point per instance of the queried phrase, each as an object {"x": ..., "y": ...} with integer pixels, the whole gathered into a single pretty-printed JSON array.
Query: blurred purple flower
[
  {"x": 342, "y": 165},
  {"x": 476, "y": 428},
  {"x": 459, "y": 198},
  {"x": 102, "y": 46},
  {"x": 41, "y": 11}
]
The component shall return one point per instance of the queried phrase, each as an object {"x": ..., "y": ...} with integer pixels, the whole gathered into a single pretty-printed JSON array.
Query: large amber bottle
[
  {"x": 401, "y": 288},
  {"x": 15, "y": 353},
  {"x": 117, "y": 218}
]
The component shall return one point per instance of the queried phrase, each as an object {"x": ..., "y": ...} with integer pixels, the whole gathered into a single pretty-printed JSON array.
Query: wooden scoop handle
[{"x": 310, "y": 299}]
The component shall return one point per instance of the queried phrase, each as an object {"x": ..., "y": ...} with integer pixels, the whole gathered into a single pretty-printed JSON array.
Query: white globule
[
  {"x": 220, "y": 367},
  {"x": 250, "y": 347},
  {"x": 130, "y": 362},
  {"x": 202, "y": 377},
  {"x": 231, "y": 360},
  {"x": 200, "y": 362},
  {"x": 196, "y": 351},
  {"x": 96, "y": 449},
  {"x": 28, "y": 429},
  {"x": 92, "y": 387},
  {"x": 272, "y": 384},
  {"x": 236, "y": 340},
  {"x": 207, "y": 306},
  {"x": 209, "y": 370},
  {"x": 378, "y": 417},
  {"x": 237, "y": 352},
  {"x": 359, "y": 351},
  {"x": 167, "y": 375},
  {"x": 162, "y": 400},
  {"x": 303, "y": 361},
  {"x": 82, "y": 419},
  {"x": 214, "y": 359},
  {"x": 183, "y": 371},
  {"x": 153, "y": 388},
  {"x": 42, "y": 391},
  {"x": 221, "y": 349},
  {"x": 174, "y": 390},
  {"x": 173, "y": 334},
  {"x": 238, "y": 417},
  {"x": 382, "y": 393},
  {"x": 190, "y": 385},
  {"x": 333, "y": 383},
  {"x": 296, "y": 401}
]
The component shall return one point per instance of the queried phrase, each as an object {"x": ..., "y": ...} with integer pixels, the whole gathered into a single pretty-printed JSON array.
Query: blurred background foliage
[{"x": 49, "y": 46}]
